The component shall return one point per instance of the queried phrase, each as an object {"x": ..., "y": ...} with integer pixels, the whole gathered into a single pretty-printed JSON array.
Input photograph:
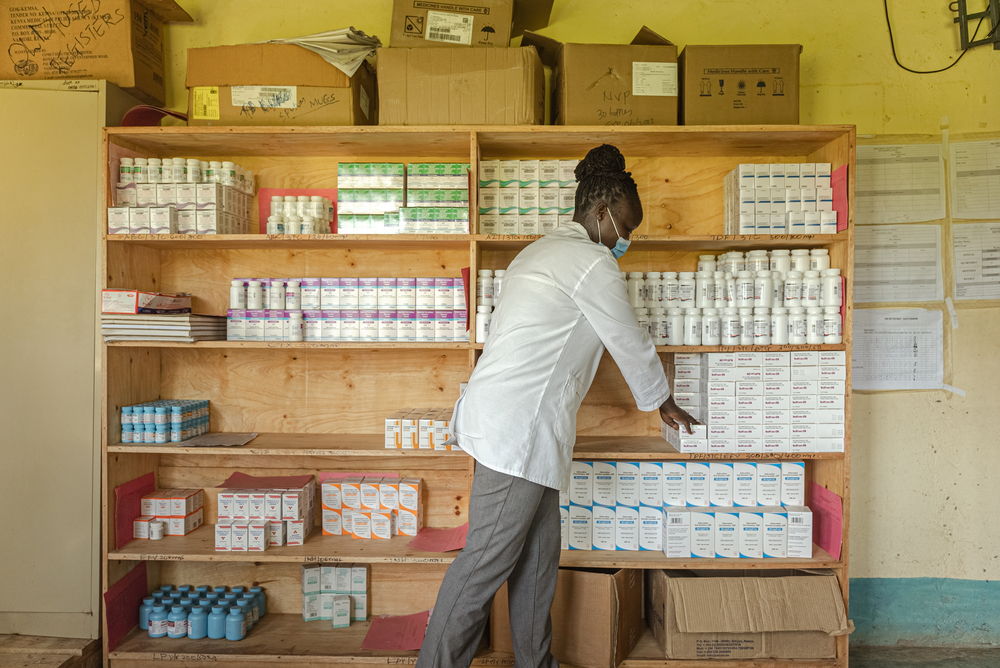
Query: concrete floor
[{"x": 923, "y": 657}]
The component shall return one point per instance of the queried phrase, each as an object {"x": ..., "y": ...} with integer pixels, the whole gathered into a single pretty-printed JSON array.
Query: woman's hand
[{"x": 674, "y": 416}]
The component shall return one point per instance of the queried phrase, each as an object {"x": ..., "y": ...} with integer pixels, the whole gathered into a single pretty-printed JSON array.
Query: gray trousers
[{"x": 513, "y": 536}]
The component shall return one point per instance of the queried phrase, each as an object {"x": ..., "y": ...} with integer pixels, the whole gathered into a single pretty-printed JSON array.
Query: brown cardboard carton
[
  {"x": 596, "y": 617},
  {"x": 275, "y": 84},
  {"x": 612, "y": 84},
  {"x": 756, "y": 84},
  {"x": 502, "y": 86},
  {"x": 772, "y": 615},
  {"x": 117, "y": 40},
  {"x": 466, "y": 23}
]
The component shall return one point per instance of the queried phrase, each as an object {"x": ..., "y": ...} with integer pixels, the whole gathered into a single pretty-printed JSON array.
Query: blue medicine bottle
[
  {"x": 236, "y": 624},
  {"x": 261, "y": 599},
  {"x": 202, "y": 590},
  {"x": 158, "y": 622},
  {"x": 197, "y": 624},
  {"x": 144, "y": 610},
  {"x": 217, "y": 623},
  {"x": 247, "y": 608},
  {"x": 177, "y": 622}
]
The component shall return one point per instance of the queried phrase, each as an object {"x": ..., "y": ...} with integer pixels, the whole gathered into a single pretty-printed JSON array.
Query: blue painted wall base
[{"x": 925, "y": 612}]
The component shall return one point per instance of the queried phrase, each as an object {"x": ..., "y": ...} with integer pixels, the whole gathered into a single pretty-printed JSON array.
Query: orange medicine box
[
  {"x": 389, "y": 494},
  {"x": 370, "y": 492},
  {"x": 350, "y": 493},
  {"x": 330, "y": 492},
  {"x": 333, "y": 521},
  {"x": 361, "y": 524}
]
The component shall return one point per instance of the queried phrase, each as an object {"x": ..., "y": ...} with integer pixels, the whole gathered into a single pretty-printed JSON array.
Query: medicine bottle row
[
  {"x": 202, "y": 612},
  {"x": 185, "y": 170},
  {"x": 741, "y": 327},
  {"x": 346, "y": 325},
  {"x": 299, "y": 214},
  {"x": 489, "y": 284},
  {"x": 336, "y": 593},
  {"x": 384, "y": 293},
  {"x": 164, "y": 421}
]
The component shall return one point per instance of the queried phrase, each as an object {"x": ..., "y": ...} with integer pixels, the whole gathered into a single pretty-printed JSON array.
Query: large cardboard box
[
  {"x": 117, "y": 40},
  {"x": 596, "y": 617},
  {"x": 729, "y": 615},
  {"x": 466, "y": 23},
  {"x": 275, "y": 84},
  {"x": 755, "y": 84},
  {"x": 612, "y": 84},
  {"x": 503, "y": 86}
]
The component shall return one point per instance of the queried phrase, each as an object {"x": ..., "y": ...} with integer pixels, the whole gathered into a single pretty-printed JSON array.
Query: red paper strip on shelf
[
  {"x": 128, "y": 505},
  {"x": 828, "y": 519},
  {"x": 121, "y": 604},
  {"x": 400, "y": 632},
  {"x": 240, "y": 480},
  {"x": 838, "y": 181},
  {"x": 440, "y": 540},
  {"x": 340, "y": 475}
]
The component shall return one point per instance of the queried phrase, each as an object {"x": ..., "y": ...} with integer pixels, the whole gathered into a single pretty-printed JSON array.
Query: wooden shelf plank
[
  {"x": 269, "y": 241},
  {"x": 199, "y": 546},
  {"x": 734, "y": 349},
  {"x": 304, "y": 345},
  {"x": 682, "y": 242},
  {"x": 639, "y": 448}
]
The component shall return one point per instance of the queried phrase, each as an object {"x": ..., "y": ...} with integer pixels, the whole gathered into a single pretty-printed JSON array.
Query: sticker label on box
[
  {"x": 658, "y": 79},
  {"x": 449, "y": 27},
  {"x": 206, "y": 103},
  {"x": 265, "y": 97}
]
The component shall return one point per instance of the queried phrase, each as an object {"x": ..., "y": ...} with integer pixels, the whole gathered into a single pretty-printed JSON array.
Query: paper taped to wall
[
  {"x": 898, "y": 263},
  {"x": 975, "y": 179},
  {"x": 899, "y": 183},
  {"x": 898, "y": 349},
  {"x": 977, "y": 260}
]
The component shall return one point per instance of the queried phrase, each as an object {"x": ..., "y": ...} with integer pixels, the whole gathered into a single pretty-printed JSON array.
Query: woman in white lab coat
[{"x": 563, "y": 303}]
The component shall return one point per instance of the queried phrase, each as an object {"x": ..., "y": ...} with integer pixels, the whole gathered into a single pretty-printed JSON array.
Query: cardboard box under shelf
[
  {"x": 612, "y": 84},
  {"x": 502, "y": 86},
  {"x": 596, "y": 617},
  {"x": 759, "y": 615},
  {"x": 275, "y": 84},
  {"x": 755, "y": 84},
  {"x": 117, "y": 40},
  {"x": 467, "y": 23}
]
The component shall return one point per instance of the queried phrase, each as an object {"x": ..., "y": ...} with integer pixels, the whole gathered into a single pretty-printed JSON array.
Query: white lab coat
[{"x": 562, "y": 302}]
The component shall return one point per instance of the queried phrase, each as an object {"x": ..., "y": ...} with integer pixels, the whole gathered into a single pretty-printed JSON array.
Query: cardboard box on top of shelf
[
  {"x": 466, "y": 23},
  {"x": 746, "y": 614},
  {"x": 612, "y": 84},
  {"x": 502, "y": 86},
  {"x": 275, "y": 84},
  {"x": 754, "y": 84},
  {"x": 596, "y": 617},
  {"x": 117, "y": 40}
]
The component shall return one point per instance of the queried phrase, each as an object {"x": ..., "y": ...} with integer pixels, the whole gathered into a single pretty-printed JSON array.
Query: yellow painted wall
[{"x": 920, "y": 459}]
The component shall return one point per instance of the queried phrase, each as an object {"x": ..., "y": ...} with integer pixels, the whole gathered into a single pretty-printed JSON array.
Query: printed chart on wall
[
  {"x": 899, "y": 183},
  {"x": 898, "y": 349},
  {"x": 977, "y": 260},
  {"x": 975, "y": 179},
  {"x": 898, "y": 263}
]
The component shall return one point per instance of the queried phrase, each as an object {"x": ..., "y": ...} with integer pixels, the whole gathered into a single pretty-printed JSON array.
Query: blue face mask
[{"x": 622, "y": 244}]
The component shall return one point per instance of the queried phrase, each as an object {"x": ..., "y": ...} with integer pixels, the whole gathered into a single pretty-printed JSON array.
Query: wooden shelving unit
[{"x": 320, "y": 406}]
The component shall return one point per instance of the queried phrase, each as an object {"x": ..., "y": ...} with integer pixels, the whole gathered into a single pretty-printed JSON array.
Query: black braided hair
[{"x": 601, "y": 176}]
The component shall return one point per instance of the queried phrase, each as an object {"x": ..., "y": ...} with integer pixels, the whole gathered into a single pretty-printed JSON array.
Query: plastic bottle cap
[
  {"x": 764, "y": 273},
  {"x": 635, "y": 274}
]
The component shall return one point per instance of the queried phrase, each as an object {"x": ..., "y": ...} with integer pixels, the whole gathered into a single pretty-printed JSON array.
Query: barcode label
[
  {"x": 677, "y": 520},
  {"x": 443, "y": 36},
  {"x": 797, "y": 520},
  {"x": 449, "y": 27}
]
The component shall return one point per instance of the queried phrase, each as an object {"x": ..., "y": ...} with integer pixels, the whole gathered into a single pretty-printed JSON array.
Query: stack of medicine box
[
  {"x": 178, "y": 419},
  {"x": 371, "y": 507},
  {"x": 419, "y": 429},
  {"x": 181, "y": 208},
  {"x": 525, "y": 196},
  {"x": 779, "y": 199},
  {"x": 626, "y": 505},
  {"x": 761, "y": 402},
  {"x": 437, "y": 198},
  {"x": 337, "y": 593},
  {"x": 252, "y": 520},
  {"x": 369, "y": 196},
  {"x": 181, "y": 510}
]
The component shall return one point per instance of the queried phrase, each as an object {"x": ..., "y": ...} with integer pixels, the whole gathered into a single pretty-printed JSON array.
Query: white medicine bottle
[
  {"x": 800, "y": 259},
  {"x": 814, "y": 325},
  {"x": 653, "y": 291},
  {"x": 658, "y": 322},
  {"x": 832, "y": 289},
  {"x": 125, "y": 166},
  {"x": 729, "y": 334},
  {"x": 762, "y": 326},
  {"x": 671, "y": 288},
  {"x": 692, "y": 327},
  {"x": 711, "y": 328},
  {"x": 155, "y": 172},
  {"x": 781, "y": 260},
  {"x": 636, "y": 289},
  {"x": 819, "y": 259},
  {"x": 779, "y": 325},
  {"x": 778, "y": 281},
  {"x": 719, "y": 280},
  {"x": 484, "y": 284},
  {"x": 796, "y": 325},
  {"x": 763, "y": 289},
  {"x": 811, "y": 289},
  {"x": 237, "y": 295},
  {"x": 675, "y": 327},
  {"x": 293, "y": 295},
  {"x": 140, "y": 170},
  {"x": 704, "y": 290},
  {"x": 832, "y": 325},
  {"x": 483, "y": 317},
  {"x": 744, "y": 289},
  {"x": 686, "y": 288},
  {"x": 706, "y": 263},
  {"x": 757, "y": 260},
  {"x": 746, "y": 326},
  {"x": 793, "y": 289},
  {"x": 498, "y": 278},
  {"x": 255, "y": 296}
]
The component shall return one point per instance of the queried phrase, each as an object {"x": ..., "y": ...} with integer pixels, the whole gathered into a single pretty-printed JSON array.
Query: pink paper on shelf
[
  {"x": 400, "y": 632},
  {"x": 340, "y": 475},
  {"x": 838, "y": 181},
  {"x": 466, "y": 279},
  {"x": 264, "y": 196},
  {"x": 440, "y": 540},
  {"x": 828, "y": 519},
  {"x": 128, "y": 504},
  {"x": 121, "y": 604},
  {"x": 240, "y": 480}
]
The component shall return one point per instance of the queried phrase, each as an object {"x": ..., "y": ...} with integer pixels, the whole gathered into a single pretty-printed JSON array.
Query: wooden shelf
[
  {"x": 637, "y": 448},
  {"x": 199, "y": 546},
  {"x": 268, "y": 241},
  {"x": 304, "y": 345},
  {"x": 734, "y": 349},
  {"x": 681, "y": 242},
  {"x": 286, "y": 638}
]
